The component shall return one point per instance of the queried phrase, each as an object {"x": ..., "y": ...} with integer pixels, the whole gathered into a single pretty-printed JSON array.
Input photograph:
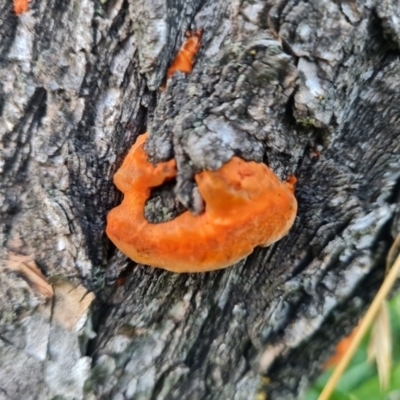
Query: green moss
[
  {"x": 98, "y": 279},
  {"x": 307, "y": 122}
]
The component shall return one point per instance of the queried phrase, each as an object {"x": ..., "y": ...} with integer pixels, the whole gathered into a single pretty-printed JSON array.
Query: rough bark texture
[{"x": 310, "y": 88}]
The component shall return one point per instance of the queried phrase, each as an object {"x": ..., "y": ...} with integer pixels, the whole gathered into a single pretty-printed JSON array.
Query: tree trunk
[{"x": 310, "y": 88}]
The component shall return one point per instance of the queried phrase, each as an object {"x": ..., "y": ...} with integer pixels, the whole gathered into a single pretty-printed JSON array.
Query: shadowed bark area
[{"x": 310, "y": 88}]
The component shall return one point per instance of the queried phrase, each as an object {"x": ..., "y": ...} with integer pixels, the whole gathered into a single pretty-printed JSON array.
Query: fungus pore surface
[{"x": 246, "y": 205}]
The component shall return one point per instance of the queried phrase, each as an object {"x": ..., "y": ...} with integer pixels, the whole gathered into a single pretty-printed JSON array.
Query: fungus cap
[
  {"x": 246, "y": 205},
  {"x": 184, "y": 59},
  {"x": 20, "y": 6}
]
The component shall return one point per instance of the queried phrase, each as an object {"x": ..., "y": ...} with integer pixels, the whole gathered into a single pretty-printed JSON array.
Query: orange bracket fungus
[
  {"x": 184, "y": 60},
  {"x": 246, "y": 205},
  {"x": 20, "y": 6}
]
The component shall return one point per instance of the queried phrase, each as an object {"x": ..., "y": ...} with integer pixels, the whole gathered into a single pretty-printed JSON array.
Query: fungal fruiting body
[
  {"x": 246, "y": 205},
  {"x": 184, "y": 60},
  {"x": 20, "y": 6}
]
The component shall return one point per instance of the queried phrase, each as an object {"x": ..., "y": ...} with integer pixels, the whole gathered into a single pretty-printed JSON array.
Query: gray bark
[{"x": 310, "y": 88}]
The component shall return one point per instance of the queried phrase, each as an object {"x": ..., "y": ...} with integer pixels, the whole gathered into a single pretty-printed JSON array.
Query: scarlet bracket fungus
[
  {"x": 20, "y": 6},
  {"x": 246, "y": 205},
  {"x": 184, "y": 60}
]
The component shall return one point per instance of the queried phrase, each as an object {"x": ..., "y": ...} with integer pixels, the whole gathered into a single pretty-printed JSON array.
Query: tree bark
[{"x": 310, "y": 88}]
